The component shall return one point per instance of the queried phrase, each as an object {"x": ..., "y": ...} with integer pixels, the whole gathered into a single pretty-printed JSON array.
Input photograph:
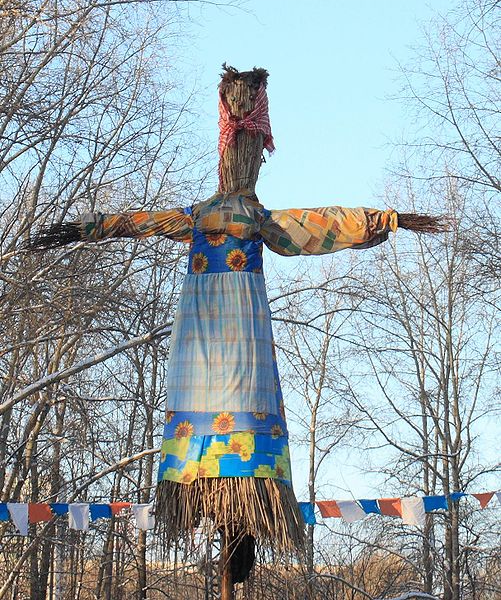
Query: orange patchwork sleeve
[{"x": 323, "y": 230}]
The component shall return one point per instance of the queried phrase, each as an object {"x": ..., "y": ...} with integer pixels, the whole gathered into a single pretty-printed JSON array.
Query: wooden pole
[{"x": 225, "y": 567}]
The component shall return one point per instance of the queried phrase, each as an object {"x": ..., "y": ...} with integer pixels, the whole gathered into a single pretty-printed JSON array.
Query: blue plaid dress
[{"x": 225, "y": 413}]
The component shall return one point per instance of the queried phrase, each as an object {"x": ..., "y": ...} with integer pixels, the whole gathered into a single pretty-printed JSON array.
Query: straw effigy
[
  {"x": 242, "y": 509},
  {"x": 240, "y": 162}
]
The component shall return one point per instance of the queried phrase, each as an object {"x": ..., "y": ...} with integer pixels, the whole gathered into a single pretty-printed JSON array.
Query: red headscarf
[{"x": 257, "y": 121}]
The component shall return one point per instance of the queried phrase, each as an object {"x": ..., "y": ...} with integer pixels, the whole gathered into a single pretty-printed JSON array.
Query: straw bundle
[
  {"x": 423, "y": 223},
  {"x": 262, "y": 508},
  {"x": 55, "y": 236}
]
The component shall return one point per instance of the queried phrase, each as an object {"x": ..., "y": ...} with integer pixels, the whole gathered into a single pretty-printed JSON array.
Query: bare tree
[
  {"x": 432, "y": 363},
  {"x": 312, "y": 312},
  {"x": 453, "y": 86},
  {"x": 87, "y": 114},
  {"x": 452, "y": 90}
]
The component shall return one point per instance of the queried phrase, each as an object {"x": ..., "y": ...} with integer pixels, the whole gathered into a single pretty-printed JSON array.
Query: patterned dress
[{"x": 225, "y": 412}]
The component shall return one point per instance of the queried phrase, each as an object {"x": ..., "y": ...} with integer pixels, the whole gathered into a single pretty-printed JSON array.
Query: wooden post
[{"x": 225, "y": 566}]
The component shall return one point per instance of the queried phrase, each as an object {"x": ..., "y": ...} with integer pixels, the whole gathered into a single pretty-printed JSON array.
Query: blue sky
[{"x": 333, "y": 66}]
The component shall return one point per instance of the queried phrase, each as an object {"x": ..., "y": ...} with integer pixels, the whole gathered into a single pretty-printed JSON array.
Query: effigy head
[
  {"x": 239, "y": 88},
  {"x": 244, "y": 127}
]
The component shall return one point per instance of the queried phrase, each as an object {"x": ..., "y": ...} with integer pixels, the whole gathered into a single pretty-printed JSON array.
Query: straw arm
[
  {"x": 56, "y": 235},
  {"x": 420, "y": 223}
]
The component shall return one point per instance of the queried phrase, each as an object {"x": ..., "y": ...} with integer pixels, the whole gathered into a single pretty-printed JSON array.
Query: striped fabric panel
[
  {"x": 178, "y": 424},
  {"x": 323, "y": 230}
]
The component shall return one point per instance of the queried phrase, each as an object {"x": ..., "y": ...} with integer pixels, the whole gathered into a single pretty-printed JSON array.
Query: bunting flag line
[
  {"x": 80, "y": 514},
  {"x": 411, "y": 509}
]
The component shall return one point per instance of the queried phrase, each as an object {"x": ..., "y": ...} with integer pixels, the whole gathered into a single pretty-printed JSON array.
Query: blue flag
[
  {"x": 100, "y": 511},
  {"x": 308, "y": 511},
  {"x": 369, "y": 506},
  {"x": 4, "y": 513},
  {"x": 434, "y": 503},
  {"x": 59, "y": 509}
]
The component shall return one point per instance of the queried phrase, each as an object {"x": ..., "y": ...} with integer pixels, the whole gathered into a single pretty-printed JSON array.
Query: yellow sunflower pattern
[
  {"x": 216, "y": 239},
  {"x": 199, "y": 263},
  {"x": 236, "y": 260},
  {"x": 260, "y": 416},
  {"x": 223, "y": 423},
  {"x": 183, "y": 430},
  {"x": 276, "y": 431}
]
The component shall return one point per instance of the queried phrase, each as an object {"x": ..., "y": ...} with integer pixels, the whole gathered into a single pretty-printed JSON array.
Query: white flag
[
  {"x": 19, "y": 514},
  {"x": 413, "y": 511},
  {"x": 350, "y": 510},
  {"x": 78, "y": 516},
  {"x": 143, "y": 515}
]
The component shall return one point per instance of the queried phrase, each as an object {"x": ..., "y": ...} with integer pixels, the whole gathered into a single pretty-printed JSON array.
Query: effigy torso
[{"x": 225, "y": 414}]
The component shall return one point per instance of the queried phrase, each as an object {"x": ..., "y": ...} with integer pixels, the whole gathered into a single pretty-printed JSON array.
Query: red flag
[
  {"x": 328, "y": 508},
  {"x": 390, "y": 506},
  {"x": 116, "y": 507},
  {"x": 38, "y": 513},
  {"x": 484, "y": 498}
]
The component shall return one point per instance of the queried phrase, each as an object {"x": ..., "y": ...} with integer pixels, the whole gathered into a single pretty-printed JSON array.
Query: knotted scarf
[{"x": 257, "y": 121}]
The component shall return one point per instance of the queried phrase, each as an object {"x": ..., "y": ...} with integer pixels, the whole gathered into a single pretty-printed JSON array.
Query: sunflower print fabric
[
  {"x": 240, "y": 454},
  {"x": 223, "y": 253},
  {"x": 185, "y": 423}
]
